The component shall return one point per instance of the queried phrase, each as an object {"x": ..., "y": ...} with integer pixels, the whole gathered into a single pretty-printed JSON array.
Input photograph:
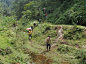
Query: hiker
[
  {"x": 48, "y": 41},
  {"x": 32, "y": 28},
  {"x": 30, "y": 33},
  {"x": 34, "y": 24},
  {"x": 18, "y": 63},
  {"x": 44, "y": 10},
  {"x": 48, "y": 11},
  {"x": 46, "y": 15}
]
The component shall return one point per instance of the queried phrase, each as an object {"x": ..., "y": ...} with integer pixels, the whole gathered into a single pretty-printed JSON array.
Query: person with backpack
[
  {"x": 30, "y": 33},
  {"x": 32, "y": 28},
  {"x": 44, "y": 10},
  {"x": 48, "y": 11},
  {"x": 48, "y": 43},
  {"x": 46, "y": 15},
  {"x": 34, "y": 24}
]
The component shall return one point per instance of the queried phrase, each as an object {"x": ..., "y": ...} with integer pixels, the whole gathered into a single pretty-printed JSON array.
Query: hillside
[
  {"x": 63, "y": 20},
  {"x": 16, "y": 48},
  {"x": 67, "y": 12}
]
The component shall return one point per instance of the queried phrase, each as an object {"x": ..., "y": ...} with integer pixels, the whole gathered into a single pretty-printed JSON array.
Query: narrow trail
[{"x": 60, "y": 35}]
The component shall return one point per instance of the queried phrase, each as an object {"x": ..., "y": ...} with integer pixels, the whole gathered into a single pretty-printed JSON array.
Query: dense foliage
[
  {"x": 74, "y": 33},
  {"x": 14, "y": 44},
  {"x": 59, "y": 11},
  {"x": 6, "y": 7}
]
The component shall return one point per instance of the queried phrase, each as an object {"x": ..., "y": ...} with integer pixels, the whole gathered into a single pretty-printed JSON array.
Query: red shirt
[
  {"x": 46, "y": 14},
  {"x": 34, "y": 23}
]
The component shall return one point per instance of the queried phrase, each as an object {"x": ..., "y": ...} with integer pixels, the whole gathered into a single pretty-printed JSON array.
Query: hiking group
[
  {"x": 30, "y": 30},
  {"x": 48, "y": 39},
  {"x": 39, "y": 15}
]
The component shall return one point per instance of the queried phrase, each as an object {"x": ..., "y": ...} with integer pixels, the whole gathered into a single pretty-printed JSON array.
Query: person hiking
[
  {"x": 46, "y": 15},
  {"x": 44, "y": 10},
  {"x": 32, "y": 28},
  {"x": 48, "y": 41},
  {"x": 30, "y": 33},
  {"x": 48, "y": 11},
  {"x": 34, "y": 24},
  {"x": 18, "y": 63}
]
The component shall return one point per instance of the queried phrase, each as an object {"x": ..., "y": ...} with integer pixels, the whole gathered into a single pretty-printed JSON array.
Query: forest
[{"x": 59, "y": 11}]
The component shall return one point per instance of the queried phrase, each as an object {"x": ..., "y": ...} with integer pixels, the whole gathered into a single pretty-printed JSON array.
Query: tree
[
  {"x": 18, "y": 7},
  {"x": 31, "y": 10},
  {"x": 6, "y": 7}
]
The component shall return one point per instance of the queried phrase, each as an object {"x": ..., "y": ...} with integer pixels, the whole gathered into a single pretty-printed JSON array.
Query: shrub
[
  {"x": 10, "y": 33},
  {"x": 75, "y": 33},
  {"x": 1, "y": 28},
  {"x": 8, "y": 50},
  {"x": 63, "y": 48},
  {"x": 5, "y": 51},
  {"x": 52, "y": 33},
  {"x": 1, "y": 62},
  {"x": 8, "y": 21},
  {"x": 41, "y": 29},
  {"x": 81, "y": 54}
]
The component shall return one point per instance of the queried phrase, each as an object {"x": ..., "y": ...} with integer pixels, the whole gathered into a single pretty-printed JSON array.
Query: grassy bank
[{"x": 15, "y": 45}]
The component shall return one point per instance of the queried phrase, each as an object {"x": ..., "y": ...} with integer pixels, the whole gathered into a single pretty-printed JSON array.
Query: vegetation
[
  {"x": 74, "y": 33},
  {"x": 6, "y": 7},
  {"x": 66, "y": 12},
  {"x": 17, "y": 15}
]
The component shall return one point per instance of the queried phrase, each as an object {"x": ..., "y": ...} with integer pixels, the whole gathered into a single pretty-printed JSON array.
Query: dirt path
[{"x": 60, "y": 36}]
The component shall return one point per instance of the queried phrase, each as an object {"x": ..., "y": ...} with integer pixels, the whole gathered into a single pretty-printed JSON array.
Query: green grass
[{"x": 19, "y": 44}]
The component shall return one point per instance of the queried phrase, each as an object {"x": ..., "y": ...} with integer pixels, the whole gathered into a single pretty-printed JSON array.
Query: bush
[
  {"x": 41, "y": 29},
  {"x": 52, "y": 33},
  {"x": 5, "y": 51},
  {"x": 63, "y": 48},
  {"x": 1, "y": 62},
  {"x": 8, "y": 21},
  {"x": 81, "y": 54},
  {"x": 75, "y": 33},
  {"x": 1, "y": 28},
  {"x": 8, "y": 50},
  {"x": 10, "y": 33}
]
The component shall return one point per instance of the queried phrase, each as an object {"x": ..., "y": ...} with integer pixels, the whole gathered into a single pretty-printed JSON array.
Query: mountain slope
[{"x": 16, "y": 47}]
